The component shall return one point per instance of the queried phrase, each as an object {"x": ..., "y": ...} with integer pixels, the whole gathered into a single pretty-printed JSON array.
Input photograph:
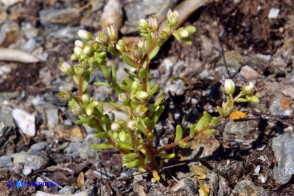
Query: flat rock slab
[{"x": 283, "y": 147}]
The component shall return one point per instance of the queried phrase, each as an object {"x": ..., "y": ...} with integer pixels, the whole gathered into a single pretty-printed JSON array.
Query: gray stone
[
  {"x": 67, "y": 190},
  {"x": 246, "y": 187},
  {"x": 60, "y": 16},
  {"x": 283, "y": 147},
  {"x": 35, "y": 159},
  {"x": 277, "y": 108},
  {"x": 73, "y": 149},
  {"x": 38, "y": 146},
  {"x": 175, "y": 87},
  {"x": 27, "y": 170},
  {"x": 6, "y": 122},
  {"x": 5, "y": 161},
  {"x": 52, "y": 117},
  {"x": 241, "y": 131}
]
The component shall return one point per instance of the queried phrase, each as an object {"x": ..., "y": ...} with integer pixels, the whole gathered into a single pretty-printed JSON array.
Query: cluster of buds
[{"x": 246, "y": 95}]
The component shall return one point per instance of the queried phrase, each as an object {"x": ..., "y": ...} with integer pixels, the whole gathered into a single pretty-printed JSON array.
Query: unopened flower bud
[
  {"x": 78, "y": 51},
  {"x": 112, "y": 32},
  {"x": 173, "y": 17},
  {"x": 65, "y": 95},
  {"x": 247, "y": 89},
  {"x": 153, "y": 23},
  {"x": 85, "y": 98},
  {"x": 74, "y": 57},
  {"x": 87, "y": 49},
  {"x": 229, "y": 87},
  {"x": 142, "y": 44},
  {"x": 141, "y": 95},
  {"x": 79, "y": 70},
  {"x": 132, "y": 125},
  {"x": 137, "y": 52},
  {"x": 183, "y": 33},
  {"x": 102, "y": 38},
  {"x": 122, "y": 136},
  {"x": 143, "y": 24},
  {"x": 79, "y": 43},
  {"x": 85, "y": 35},
  {"x": 66, "y": 68},
  {"x": 121, "y": 46},
  {"x": 114, "y": 127}
]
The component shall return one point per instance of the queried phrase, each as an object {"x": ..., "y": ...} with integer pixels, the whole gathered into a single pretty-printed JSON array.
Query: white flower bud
[
  {"x": 141, "y": 95},
  {"x": 173, "y": 17},
  {"x": 229, "y": 87},
  {"x": 153, "y": 23},
  {"x": 79, "y": 43},
  {"x": 121, "y": 46},
  {"x": 85, "y": 35},
  {"x": 248, "y": 88},
  {"x": 183, "y": 33},
  {"x": 66, "y": 68},
  {"x": 87, "y": 49},
  {"x": 132, "y": 125},
  {"x": 143, "y": 24},
  {"x": 114, "y": 127},
  {"x": 78, "y": 51}
]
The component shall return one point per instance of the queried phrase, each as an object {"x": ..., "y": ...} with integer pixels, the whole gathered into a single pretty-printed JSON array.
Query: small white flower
[
  {"x": 229, "y": 87},
  {"x": 122, "y": 97},
  {"x": 114, "y": 127},
  {"x": 112, "y": 32},
  {"x": 85, "y": 35},
  {"x": 132, "y": 125},
  {"x": 140, "y": 110}
]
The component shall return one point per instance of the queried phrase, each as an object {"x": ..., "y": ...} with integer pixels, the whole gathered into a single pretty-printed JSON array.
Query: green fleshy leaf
[
  {"x": 157, "y": 114},
  {"x": 153, "y": 90},
  {"x": 220, "y": 111},
  {"x": 129, "y": 61},
  {"x": 102, "y": 84},
  {"x": 179, "y": 133},
  {"x": 156, "y": 104},
  {"x": 86, "y": 79},
  {"x": 101, "y": 135},
  {"x": 112, "y": 50},
  {"x": 113, "y": 73},
  {"x": 129, "y": 157},
  {"x": 241, "y": 100},
  {"x": 153, "y": 53},
  {"x": 214, "y": 121},
  {"x": 177, "y": 36},
  {"x": 253, "y": 99},
  {"x": 166, "y": 156},
  {"x": 203, "y": 122},
  {"x": 130, "y": 73},
  {"x": 105, "y": 71},
  {"x": 126, "y": 146},
  {"x": 101, "y": 146},
  {"x": 133, "y": 164},
  {"x": 209, "y": 132},
  {"x": 184, "y": 144},
  {"x": 190, "y": 29}
]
